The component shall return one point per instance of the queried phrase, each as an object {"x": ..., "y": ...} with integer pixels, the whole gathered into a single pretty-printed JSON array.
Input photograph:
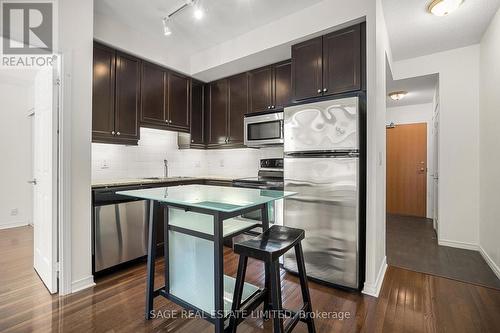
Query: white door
[{"x": 45, "y": 177}]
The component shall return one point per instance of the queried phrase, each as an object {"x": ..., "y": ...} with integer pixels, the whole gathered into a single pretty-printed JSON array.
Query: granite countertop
[{"x": 154, "y": 180}]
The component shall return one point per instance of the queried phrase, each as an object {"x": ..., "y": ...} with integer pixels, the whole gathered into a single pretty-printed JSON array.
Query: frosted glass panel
[{"x": 191, "y": 263}]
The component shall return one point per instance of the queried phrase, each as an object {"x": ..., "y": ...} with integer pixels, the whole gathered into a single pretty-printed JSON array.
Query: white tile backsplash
[{"x": 146, "y": 160}]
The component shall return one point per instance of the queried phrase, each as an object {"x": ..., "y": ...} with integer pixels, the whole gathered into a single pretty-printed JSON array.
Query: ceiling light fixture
[
  {"x": 397, "y": 95},
  {"x": 198, "y": 14},
  {"x": 166, "y": 28},
  {"x": 198, "y": 10},
  {"x": 443, "y": 7}
]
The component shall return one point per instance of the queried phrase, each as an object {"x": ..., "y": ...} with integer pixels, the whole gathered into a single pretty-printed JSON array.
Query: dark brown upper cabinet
[
  {"x": 153, "y": 88},
  {"x": 127, "y": 97},
  {"x": 342, "y": 61},
  {"x": 328, "y": 65},
  {"x": 103, "y": 93},
  {"x": 116, "y": 93},
  {"x": 307, "y": 69},
  {"x": 165, "y": 98},
  {"x": 282, "y": 84},
  {"x": 270, "y": 87},
  {"x": 197, "y": 113},
  {"x": 179, "y": 87},
  {"x": 217, "y": 112},
  {"x": 261, "y": 96},
  {"x": 238, "y": 106}
]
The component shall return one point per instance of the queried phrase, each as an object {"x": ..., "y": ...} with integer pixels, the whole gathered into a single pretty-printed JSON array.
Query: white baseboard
[
  {"x": 459, "y": 245},
  {"x": 82, "y": 284},
  {"x": 374, "y": 289},
  {"x": 9, "y": 225},
  {"x": 494, "y": 267}
]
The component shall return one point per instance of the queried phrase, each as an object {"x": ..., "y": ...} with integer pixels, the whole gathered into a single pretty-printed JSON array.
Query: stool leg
[
  {"x": 238, "y": 292},
  {"x": 277, "y": 306},
  {"x": 267, "y": 286},
  {"x": 306, "y": 297}
]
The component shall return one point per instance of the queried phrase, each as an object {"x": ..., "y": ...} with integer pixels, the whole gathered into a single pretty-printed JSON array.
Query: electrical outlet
[
  {"x": 104, "y": 164},
  {"x": 14, "y": 212}
]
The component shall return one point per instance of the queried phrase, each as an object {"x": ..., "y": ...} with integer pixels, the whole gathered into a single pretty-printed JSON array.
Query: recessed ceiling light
[
  {"x": 397, "y": 95},
  {"x": 443, "y": 7}
]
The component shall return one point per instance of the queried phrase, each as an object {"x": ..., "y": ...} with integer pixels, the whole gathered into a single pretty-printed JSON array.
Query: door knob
[
  {"x": 166, "y": 120},
  {"x": 118, "y": 133},
  {"x": 272, "y": 106},
  {"x": 319, "y": 91},
  {"x": 325, "y": 90},
  {"x": 32, "y": 181},
  {"x": 269, "y": 107},
  {"x": 112, "y": 132},
  {"x": 170, "y": 121}
]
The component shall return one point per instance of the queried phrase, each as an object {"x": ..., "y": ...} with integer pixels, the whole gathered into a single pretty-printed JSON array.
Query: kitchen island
[{"x": 197, "y": 219}]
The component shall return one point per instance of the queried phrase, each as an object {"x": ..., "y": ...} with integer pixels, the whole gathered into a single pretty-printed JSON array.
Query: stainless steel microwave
[{"x": 264, "y": 130}]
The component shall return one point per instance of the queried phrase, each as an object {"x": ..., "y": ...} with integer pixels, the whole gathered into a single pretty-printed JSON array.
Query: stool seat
[{"x": 271, "y": 244}]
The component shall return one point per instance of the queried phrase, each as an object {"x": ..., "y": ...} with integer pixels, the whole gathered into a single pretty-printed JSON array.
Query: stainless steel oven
[{"x": 264, "y": 129}]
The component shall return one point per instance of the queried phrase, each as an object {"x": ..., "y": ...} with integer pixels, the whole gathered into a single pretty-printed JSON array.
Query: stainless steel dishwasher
[{"x": 120, "y": 228}]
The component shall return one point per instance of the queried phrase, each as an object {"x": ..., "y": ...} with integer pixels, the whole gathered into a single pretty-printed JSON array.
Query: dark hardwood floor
[
  {"x": 412, "y": 244},
  {"x": 409, "y": 301}
]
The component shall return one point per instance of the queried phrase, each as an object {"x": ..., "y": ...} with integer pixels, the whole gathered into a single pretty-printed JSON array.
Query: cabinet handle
[
  {"x": 325, "y": 90},
  {"x": 166, "y": 120},
  {"x": 319, "y": 91},
  {"x": 269, "y": 107},
  {"x": 272, "y": 106},
  {"x": 112, "y": 132},
  {"x": 170, "y": 121},
  {"x": 192, "y": 141},
  {"x": 118, "y": 133}
]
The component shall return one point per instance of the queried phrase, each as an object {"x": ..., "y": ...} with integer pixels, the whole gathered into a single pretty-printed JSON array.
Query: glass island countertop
[
  {"x": 223, "y": 199},
  {"x": 197, "y": 219}
]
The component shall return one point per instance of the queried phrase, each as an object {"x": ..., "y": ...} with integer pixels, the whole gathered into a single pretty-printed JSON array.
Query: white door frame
[{"x": 64, "y": 177}]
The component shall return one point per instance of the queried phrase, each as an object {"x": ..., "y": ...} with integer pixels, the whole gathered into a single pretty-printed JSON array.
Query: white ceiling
[
  {"x": 414, "y": 32},
  {"x": 223, "y": 20},
  {"x": 420, "y": 89}
]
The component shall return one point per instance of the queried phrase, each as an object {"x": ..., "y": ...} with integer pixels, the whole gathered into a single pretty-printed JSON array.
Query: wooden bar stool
[{"x": 269, "y": 247}]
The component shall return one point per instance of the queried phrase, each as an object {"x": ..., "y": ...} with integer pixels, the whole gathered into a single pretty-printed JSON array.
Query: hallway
[{"x": 412, "y": 244}]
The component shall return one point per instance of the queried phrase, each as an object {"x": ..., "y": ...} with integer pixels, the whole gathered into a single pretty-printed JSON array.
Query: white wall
[
  {"x": 75, "y": 42},
  {"x": 111, "y": 162},
  {"x": 489, "y": 155},
  {"x": 153, "y": 48},
  {"x": 459, "y": 139},
  {"x": 412, "y": 114},
  {"x": 16, "y": 99}
]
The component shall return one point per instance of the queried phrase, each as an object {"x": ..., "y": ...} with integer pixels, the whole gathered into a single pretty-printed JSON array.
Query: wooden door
[
  {"x": 238, "y": 106},
  {"x": 127, "y": 98},
  {"x": 261, "y": 91},
  {"x": 197, "y": 116},
  {"x": 282, "y": 84},
  {"x": 407, "y": 170},
  {"x": 307, "y": 69},
  {"x": 103, "y": 92},
  {"x": 178, "y": 100},
  {"x": 342, "y": 61},
  {"x": 218, "y": 112},
  {"x": 153, "y": 90}
]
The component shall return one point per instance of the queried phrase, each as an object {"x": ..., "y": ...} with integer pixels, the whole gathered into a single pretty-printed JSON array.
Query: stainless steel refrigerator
[{"x": 321, "y": 164}]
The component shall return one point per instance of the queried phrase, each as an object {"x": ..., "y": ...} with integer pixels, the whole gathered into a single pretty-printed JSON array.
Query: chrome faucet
[{"x": 165, "y": 162}]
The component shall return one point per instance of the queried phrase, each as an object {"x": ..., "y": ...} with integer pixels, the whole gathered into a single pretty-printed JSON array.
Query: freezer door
[
  {"x": 323, "y": 126},
  {"x": 326, "y": 207}
]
